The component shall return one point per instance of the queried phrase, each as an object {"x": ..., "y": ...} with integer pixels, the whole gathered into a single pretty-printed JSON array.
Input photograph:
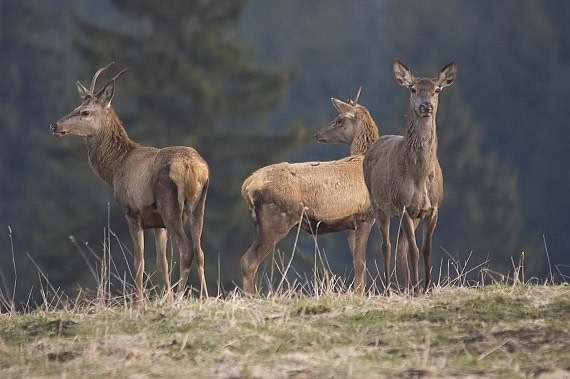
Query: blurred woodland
[{"x": 248, "y": 83}]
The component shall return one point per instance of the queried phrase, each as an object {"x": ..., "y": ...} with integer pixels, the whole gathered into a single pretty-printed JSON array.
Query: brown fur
[
  {"x": 322, "y": 196},
  {"x": 403, "y": 175},
  {"x": 156, "y": 188}
]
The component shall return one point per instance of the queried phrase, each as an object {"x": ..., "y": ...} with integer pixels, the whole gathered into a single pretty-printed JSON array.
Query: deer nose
[
  {"x": 54, "y": 128},
  {"x": 426, "y": 107}
]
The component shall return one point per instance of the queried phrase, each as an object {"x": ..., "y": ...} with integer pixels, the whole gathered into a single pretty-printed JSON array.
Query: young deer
[
  {"x": 156, "y": 188},
  {"x": 403, "y": 175},
  {"x": 322, "y": 196}
]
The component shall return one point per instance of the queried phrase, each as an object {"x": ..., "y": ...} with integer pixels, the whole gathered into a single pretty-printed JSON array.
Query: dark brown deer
[
  {"x": 322, "y": 196},
  {"x": 156, "y": 188},
  {"x": 403, "y": 175}
]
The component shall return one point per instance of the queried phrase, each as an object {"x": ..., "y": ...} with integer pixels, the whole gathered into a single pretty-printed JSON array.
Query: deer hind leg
[
  {"x": 196, "y": 221},
  {"x": 161, "y": 240},
  {"x": 171, "y": 207},
  {"x": 428, "y": 229},
  {"x": 271, "y": 225},
  {"x": 137, "y": 234},
  {"x": 185, "y": 250},
  {"x": 357, "y": 240}
]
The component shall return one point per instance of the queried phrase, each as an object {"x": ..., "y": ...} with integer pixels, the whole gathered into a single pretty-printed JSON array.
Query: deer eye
[
  {"x": 438, "y": 90},
  {"x": 412, "y": 90},
  {"x": 85, "y": 113}
]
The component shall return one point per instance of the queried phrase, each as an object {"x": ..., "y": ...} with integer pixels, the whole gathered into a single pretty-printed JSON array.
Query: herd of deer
[{"x": 384, "y": 177}]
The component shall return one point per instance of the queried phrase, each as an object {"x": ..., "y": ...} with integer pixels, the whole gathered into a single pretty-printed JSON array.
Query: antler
[
  {"x": 355, "y": 101},
  {"x": 94, "y": 80}
]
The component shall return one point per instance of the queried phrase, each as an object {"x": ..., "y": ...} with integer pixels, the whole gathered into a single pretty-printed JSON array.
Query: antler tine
[
  {"x": 120, "y": 73},
  {"x": 355, "y": 101},
  {"x": 357, "y": 96},
  {"x": 94, "y": 80}
]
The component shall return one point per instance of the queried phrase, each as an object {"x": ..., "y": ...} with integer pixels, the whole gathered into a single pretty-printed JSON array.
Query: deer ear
[
  {"x": 447, "y": 75},
  {"x": 105, "y": 96},
  {"x": 83, "y": 92},
  {"x": 402, "y": 74},
  {"x": 343, "y": 108}
]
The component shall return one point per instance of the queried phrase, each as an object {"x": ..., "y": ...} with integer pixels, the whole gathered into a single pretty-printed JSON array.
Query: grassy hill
[{"x": 460, "y": 332}]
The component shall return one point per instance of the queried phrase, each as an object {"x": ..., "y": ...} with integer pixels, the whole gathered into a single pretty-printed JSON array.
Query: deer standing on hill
[
  {"x": 322, "y": 196},
  {"x": 156, "y": 188},
  {"x": 403, "y": 175}
]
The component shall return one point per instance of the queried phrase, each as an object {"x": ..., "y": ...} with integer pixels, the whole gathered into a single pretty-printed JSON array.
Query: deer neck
[
  {"x": 421, "y": 145},
  {"x": 108, "y": 148},
  {"x": 365, "y": 136}
]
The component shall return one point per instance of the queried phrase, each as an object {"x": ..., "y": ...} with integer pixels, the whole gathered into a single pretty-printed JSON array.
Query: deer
[
  {"x": 404, "y": 178},
  {"x": 156, "y": 188},
  {"x": 320, "y": 197}
]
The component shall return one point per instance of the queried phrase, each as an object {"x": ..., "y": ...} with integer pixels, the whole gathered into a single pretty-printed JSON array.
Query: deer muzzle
[
  {"x": 56, "y": 130},
  {"x": 426, "y": 108},
  {"x": 320, "y": 138}
]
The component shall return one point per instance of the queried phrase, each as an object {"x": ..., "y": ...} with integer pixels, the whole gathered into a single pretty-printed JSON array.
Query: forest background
[{"x": 247, "y": 83}]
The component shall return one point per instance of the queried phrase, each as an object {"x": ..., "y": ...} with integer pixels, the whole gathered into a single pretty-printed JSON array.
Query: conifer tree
[{"x": 192, "y": 83}]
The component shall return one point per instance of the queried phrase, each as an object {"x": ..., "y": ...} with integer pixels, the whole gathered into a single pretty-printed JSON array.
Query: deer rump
[
  {"x": 176, "y": 172},
  {"x": 317, "y": 191}
]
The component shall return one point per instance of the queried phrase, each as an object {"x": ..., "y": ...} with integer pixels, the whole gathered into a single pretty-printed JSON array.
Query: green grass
[{"x": 486, "y": 331}]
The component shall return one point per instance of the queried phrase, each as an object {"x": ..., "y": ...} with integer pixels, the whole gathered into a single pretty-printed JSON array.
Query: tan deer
[
  {"x": 403, "y": 175},
  {"x": 156, "y": 188},
  {"x": 322, "y": 197}
]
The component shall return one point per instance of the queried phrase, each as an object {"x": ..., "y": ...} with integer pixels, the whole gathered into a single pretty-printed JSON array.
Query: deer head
[
  {"x": 424, "y": 92},
  {"x": 87, "y": 118},
  {"x": 343, "y": 127}
]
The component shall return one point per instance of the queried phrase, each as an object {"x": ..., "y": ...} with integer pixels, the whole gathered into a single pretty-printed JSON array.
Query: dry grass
[
  {"x": 495, "y": 326},
  {"x": 473, "y": 332}
]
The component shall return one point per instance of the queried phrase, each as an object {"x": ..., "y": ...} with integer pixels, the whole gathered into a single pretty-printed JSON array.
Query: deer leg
[
  {"x": 383, "y": 221},
  {"x": 137, "y": 234},
  {"x": 271, "y": 225},
  {"x": 171, "y": 207},
  {"x": 357, "y": 263},
  {"x": 402, "y": 250},
  {"x": 160, "y": 241},
  {"x": 265, "y": 241},
  {"x": 402, "y": 258},
  {"x": 358, "y": 239},
  {"x": 428, "y": 229},
  {"x": 409, "y": 227},
  {"x": 186, "y": 255},
  {"x": 196, "y": 226},
  {"x": 252, "y": 258}
]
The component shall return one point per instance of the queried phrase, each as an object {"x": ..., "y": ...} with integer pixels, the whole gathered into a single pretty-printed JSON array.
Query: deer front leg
[
  {"x": 402, "y": 259},
  {"x": 137, "y": 234},
  {"x": 409, "y": 227},
  {"x": 383, "y": 221},
  {"x": 428, "y": 229}
]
